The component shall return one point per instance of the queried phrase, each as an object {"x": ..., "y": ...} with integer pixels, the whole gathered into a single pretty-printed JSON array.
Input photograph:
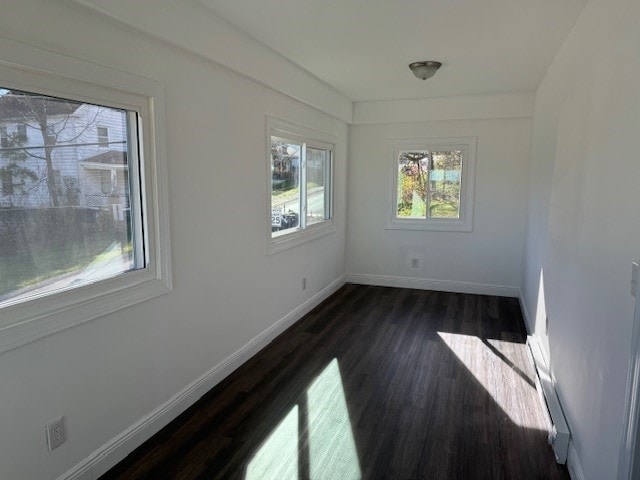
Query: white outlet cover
[{"x": 56, "y": 434}]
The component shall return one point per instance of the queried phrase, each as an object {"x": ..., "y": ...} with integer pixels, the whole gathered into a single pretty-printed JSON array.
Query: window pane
[
  {"x": 65, "y": 203},
  {"x": 444, "y": 186},
  {"x": 285, "y": 185},
  {"x": 318, "y": 165},
  {"x": 413, "y": 174},
  {"x": 103, "y": 137}
]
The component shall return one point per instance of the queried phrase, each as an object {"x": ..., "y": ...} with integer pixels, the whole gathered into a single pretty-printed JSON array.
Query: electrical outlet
[
  {"x": 56, "y": 435},
  {"x": 415, "y": 262},
  {"x": 304, "y": 283}
]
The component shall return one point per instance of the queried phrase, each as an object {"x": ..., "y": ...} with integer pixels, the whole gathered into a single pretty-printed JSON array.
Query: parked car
[{"x": 283, "y": 221}]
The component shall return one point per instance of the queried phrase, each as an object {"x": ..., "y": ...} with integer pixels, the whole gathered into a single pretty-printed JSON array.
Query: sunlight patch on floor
[
  {"x": 509, "y": 388},
  {"x": 277, "y": 459},
  {"x": 332, "y": 449},
  {"x": 320, "y": 428}
]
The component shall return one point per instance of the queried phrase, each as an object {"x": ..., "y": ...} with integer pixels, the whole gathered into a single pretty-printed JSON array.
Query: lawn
[{"x": 34, "y": 266}]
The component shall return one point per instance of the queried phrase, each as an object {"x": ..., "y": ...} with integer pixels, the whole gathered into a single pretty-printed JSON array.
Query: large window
[
  {"x": 60, "y": 227},
  {"x": 82, "y": 223},
  {"x": 432, "y": 184},
  {"x": 300, "y": 163}
]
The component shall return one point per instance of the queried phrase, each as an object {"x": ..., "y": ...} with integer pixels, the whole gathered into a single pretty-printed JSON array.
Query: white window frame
[
  {"x": 462, "y": 224},
  {"x": 31, "y": 69},
  {"x": 313, "y": 139}
]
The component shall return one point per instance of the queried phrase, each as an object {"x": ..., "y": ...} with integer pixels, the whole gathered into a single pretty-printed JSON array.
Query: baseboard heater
[{"x": 559, "y": 433}]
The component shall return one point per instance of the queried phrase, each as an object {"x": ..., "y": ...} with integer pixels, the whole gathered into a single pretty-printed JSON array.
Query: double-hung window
[
  {"x": 300, "y": 166},
  {"x": 103, "y": 137},
  {"x": 431, "y": 184},
  {"x": 71, "y": 250}
]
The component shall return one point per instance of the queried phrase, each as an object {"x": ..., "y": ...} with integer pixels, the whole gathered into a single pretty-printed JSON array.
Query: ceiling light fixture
[{"x": 424, "y": 70}]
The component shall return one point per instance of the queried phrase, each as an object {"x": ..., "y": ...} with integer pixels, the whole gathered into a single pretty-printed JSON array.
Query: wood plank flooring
[{"x": 375, "y": 383}]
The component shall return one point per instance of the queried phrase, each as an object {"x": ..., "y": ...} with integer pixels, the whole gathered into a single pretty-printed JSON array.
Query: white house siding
[{"x": 80, "y": 131}]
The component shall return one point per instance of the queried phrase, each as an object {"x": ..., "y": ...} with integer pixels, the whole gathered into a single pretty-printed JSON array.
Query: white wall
[
  {"x": 584, "y": 223},
  {"x": 486, "y": 260},
  {"x": 106, "y": 374}
]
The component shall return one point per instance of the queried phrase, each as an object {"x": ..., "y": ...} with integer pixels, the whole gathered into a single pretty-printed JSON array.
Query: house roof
[
  {"x": 16, "y": 105},
  {"x": 112, "y": 157}
]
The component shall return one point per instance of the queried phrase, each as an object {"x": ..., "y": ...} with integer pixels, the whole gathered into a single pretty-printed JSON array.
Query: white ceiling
[{"x": 363, "y": 47}]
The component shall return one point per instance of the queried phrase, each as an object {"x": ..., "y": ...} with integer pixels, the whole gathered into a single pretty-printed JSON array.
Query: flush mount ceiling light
[{"x": 424, "y": 70}]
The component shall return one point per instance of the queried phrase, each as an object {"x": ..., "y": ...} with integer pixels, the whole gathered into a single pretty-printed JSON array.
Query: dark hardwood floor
[{"x": 375, "y": 383}]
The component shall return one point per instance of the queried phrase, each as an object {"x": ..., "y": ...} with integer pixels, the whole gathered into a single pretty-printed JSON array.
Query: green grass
[
  {"x": 19, "y": 273},
  {"x": 443, "y": 210},
  {"x": 289, "y": 192},
  {"x": 436, "y": 210}
]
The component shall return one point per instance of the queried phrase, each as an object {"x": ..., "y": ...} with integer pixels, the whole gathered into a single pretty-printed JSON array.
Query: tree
[
  {"x": 414, "y": 170},
  {"x": 13, "y": 239},
  {"x": 14, "y": 173},
  {"x": 54, "y": 120}
]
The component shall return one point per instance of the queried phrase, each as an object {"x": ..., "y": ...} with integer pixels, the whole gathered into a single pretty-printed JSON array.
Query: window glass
[
  {"x": 21, "y": 133},
  {"x": 7, "y": 182},
  {"x": 445, "y": 181},
  {"x": 65, "y": 216},
  {"x": 300, "y": 162},
  {"x": 413, "y": 176},
  {"x": 432, "y": 184},
  {"x": 429, "y": 184},
  {"x": 4, "y": 137},
  {"x": 285, "y": 184},
  {"x": 318, "y": 175},
  {"x": 103, "y": 137}
]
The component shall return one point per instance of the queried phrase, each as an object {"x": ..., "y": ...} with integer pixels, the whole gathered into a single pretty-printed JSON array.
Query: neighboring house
[
  {"x": 86, "y": 146},
  {"x": 104, "y": 182}
]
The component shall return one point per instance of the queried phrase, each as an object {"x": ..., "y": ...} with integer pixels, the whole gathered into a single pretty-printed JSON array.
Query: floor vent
[{"x": 559, "y": 433}]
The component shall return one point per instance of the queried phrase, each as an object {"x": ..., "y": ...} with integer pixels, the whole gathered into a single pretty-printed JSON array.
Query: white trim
[
  {"x": 632, "y": 408},
  {"x": 101, "y": 166},
  {"x": 37, "y": 70},
  {"x": 467, "y": 183},
  {"x": 559, "y": 436},
  {"x": 525, "y": 313},
  {"x": 573, "y": 463},
  {"x": 116, "y": 449},
  {"x": 431, "y": 284}
]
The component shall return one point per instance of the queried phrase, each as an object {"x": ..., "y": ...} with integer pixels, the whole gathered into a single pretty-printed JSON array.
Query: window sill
[
  {"x": 430, "y": 225},
  {"x": 52, "y": 313},
  {"x": 293, "y": 239}
]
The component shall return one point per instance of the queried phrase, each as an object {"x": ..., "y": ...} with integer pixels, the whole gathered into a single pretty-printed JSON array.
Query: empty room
[{"x": 304, "y": 239}]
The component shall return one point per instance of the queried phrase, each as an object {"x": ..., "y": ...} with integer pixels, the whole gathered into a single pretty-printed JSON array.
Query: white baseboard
[
  {"x": 525, "y": 313},
  {"x": 559, "y": 434},
  {"x": 430, "y": 284},
  {"x": 107, "y": 456},
  {"x": 573, "y": 463}
]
